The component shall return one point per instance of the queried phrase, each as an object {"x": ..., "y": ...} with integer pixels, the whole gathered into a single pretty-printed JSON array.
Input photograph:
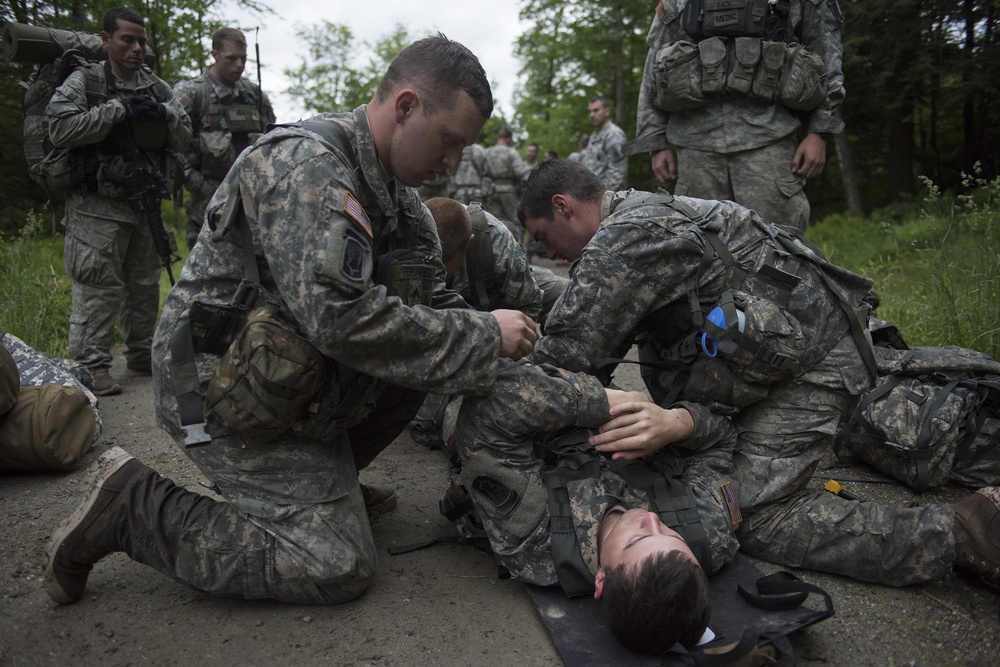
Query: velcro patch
[
  {"x": 503, "y": 498},
  {"x": 356, "y": 212},
  {"x": 352, "y": 259},
  {"x": 733, "y": 503}
]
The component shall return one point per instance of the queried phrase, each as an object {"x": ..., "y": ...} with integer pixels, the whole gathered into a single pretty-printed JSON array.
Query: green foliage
[
  {"x": 34, "y": 289},
  {"x": 331, "y": 78},
  {"x": 937, "y": 273}
]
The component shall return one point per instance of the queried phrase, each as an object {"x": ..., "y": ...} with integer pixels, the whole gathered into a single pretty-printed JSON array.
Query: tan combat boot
[
  {"x": 104, "y": 384},
  {"x": 977, "y": 533}
]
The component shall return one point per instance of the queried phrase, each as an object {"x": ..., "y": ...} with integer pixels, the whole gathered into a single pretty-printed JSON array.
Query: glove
[{"x": 143, "y": 107}]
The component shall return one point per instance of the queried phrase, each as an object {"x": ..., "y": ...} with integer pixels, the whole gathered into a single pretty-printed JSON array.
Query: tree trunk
[{"x": 851, "y": 192}]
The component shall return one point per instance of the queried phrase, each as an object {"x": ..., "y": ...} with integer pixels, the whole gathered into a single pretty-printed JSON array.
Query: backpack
[
  {"x": 49, "y": 166},
  {"x": 933, "y": 417}
]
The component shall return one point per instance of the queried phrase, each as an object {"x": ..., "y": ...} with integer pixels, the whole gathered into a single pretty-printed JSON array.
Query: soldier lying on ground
[
  {"x": 760, "y": 342},
  {"x": 649, "y": 574}
]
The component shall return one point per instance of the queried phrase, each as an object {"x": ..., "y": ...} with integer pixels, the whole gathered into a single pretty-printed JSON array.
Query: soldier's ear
[
  {"x": 406, "y": 103},
  {"x": 599, "y": 584}
]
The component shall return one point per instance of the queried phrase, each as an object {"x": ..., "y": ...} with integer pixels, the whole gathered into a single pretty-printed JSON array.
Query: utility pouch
[
  {"x": 677, "y": 83},
  {"x": 243, "y": 118},
  {"x": 54, "y": 171},
  {"x": 214, "y": 326},
  {"x": 408, "y": 274},
  {"x": 765, "y": 80},
  {"x": 746, "y": 52},
  {"x": 217, "y": 153},
  {"x": 802, "y": 85},
  {"x": 266, "y": 380},
  {"x": 712, "y": 54}
]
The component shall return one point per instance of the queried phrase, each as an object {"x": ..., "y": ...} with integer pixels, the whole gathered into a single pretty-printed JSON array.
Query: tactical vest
[
  {"x": 761, "y": 339},
  {"x": 573, "y": 459},
  {"x": 226, "y": 128}
]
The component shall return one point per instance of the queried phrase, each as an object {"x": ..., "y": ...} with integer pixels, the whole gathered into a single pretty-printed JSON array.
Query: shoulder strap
[{"x": 479, "y": 260}]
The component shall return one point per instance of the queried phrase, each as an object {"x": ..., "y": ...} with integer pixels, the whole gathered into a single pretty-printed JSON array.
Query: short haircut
[
  {"x": 454, "y": 226},
  {"x": 603, "y": 100},
  {"x": 232, "y": 35},
  {"x": 505, "y": 133},
  {"x": 553, "y": 177},
  {"x": 658, "y": 603},
  {"x": 113, "y": 15},
  {"x": 533, "y": 144},
  {"x": 437, "y": 68}
]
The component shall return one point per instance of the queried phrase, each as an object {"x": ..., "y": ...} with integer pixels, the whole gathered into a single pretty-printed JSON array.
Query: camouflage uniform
[
  {"x": 494, "y": 442},
  {"x": 506, "y": 171},
  {"x": 214, "y": 146},
  {"x": 739, "y": 148},
  {"x": 468, "y": 178},
  {"x": 603, "y": 156},
  {"x": 293, "y": 525},
  {"x": 636, "y": 278},
  {"x": 109, "y": 252}
]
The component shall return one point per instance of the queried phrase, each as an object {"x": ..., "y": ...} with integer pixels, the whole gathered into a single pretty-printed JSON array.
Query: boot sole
[{"x": 107, "y": 465}]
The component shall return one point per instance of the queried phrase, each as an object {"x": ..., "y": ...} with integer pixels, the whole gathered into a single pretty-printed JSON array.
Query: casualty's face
[
  {"x": 126, "y": 47},
  {"x": 634, "y": 536},
  {"x": 563, "y": 237},
  {"x": 230, "y": 61},
  {"x": 427, "y": 145}
]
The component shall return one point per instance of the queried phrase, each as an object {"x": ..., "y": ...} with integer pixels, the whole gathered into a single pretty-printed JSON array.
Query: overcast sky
[{"x": 487, "y": 27}]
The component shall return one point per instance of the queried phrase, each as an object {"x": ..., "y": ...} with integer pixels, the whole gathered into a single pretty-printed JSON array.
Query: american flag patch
[
  {"x": 354, "y": 210},
  {"x": 735, "y": 515},
  {"x": 661, "y": 11}
]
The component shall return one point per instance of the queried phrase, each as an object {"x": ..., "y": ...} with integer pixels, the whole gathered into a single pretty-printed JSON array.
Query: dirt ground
[{"x": 442, "y": 605}]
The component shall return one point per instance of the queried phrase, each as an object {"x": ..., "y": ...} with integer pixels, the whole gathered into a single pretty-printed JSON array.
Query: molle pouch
[
  {"x": 713, "y": 383},
  {"x": 677, "y": 82},
  {"x": 243, "y": 118},
  {"x": 765, "y": 80},
  {"x": 266, "y": 380},
  {"x": 217, "y": 153},
  {"x": 54, "y": 171},
  {"x": 746, "y": 55},
  {"x": 214, "y": 326},
  {"x": 712, "y": 54},
  {"x": 407, "y": 273},
  {"x": 802, "y": 85}
]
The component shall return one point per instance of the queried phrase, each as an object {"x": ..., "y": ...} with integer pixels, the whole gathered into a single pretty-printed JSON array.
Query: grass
[{"x": 936, "y": 266}]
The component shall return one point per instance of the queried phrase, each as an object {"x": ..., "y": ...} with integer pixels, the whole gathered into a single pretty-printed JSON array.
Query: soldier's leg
[
  {"x": 93, "y": 261},
  {"x": 762, "y": 180},
  {"x": 703, "y": 174},
  {"x": 792, "y": 521},
  {"x": 141, "y": 275},
  {"x": 294, "y": 528},
  {"x": 394, "y": 409}
]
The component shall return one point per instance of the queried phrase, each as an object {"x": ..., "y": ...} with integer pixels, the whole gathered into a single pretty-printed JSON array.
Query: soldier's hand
[
  {"x": 810, "y": 157},
  {"x": 641, "y": 428},
  {"x": 664, "y": 167},
  {"x": 517, "y": 331}
]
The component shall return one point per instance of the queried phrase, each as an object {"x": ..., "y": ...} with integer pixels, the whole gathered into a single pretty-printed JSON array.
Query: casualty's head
[
  {"x": 432, "y": 102},
  {"x": 654, "y": 591},
  {"x": 561, "y": 207},
  {"x": 124, "y": 37},
  {"x": 454, "y": 225}
]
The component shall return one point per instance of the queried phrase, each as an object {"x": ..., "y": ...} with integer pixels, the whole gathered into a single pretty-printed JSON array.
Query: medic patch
[
  {"x": 352, "y": 259},
  {"x": 354, "y": 210},
  {"x": 735, "y": 515}
]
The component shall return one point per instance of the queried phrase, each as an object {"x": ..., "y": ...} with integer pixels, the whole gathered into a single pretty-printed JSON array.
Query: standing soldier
[
  {"x": 468, "y": 176},
  {"x": 506, "y": 171},
  {"x": 603, "y": 154},
  {"x": 118, "y": 118},
  {"x": 227, "y": 113}
]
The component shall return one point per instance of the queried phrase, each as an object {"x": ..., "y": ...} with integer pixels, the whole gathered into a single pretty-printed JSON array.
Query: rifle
[{"x": 143, "y": 188}]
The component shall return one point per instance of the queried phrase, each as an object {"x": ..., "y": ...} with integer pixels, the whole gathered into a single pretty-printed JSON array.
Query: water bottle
[{"x": 709, "y": 344}]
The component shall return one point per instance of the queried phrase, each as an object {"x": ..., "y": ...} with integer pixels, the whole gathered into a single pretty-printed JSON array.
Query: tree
[{"x": 328, "y": 80}]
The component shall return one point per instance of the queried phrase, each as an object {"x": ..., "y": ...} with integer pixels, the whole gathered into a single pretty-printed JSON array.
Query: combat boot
[
  {"x": 378, "y": 499},
  {"x": 977, "y": 534},
  {"x": 104, "y": 384},
  {"x": 79, "y": 541}
]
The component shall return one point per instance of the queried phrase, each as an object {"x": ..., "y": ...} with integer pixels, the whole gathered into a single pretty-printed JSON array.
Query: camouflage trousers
[
  {"x": 293, "y": 525},
  {"x": 791, "y": 521},
  {"x": 503, "y": 204},
  {"x": 760, "y": 179},
  {"x": 195, "y": 209},
  {"x": 116, "y": 277}
]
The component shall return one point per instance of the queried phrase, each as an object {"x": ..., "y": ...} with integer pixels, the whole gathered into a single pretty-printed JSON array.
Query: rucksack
[
  {"x": 49, "y": 166},
  {"x": 933, "y": 417}
]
